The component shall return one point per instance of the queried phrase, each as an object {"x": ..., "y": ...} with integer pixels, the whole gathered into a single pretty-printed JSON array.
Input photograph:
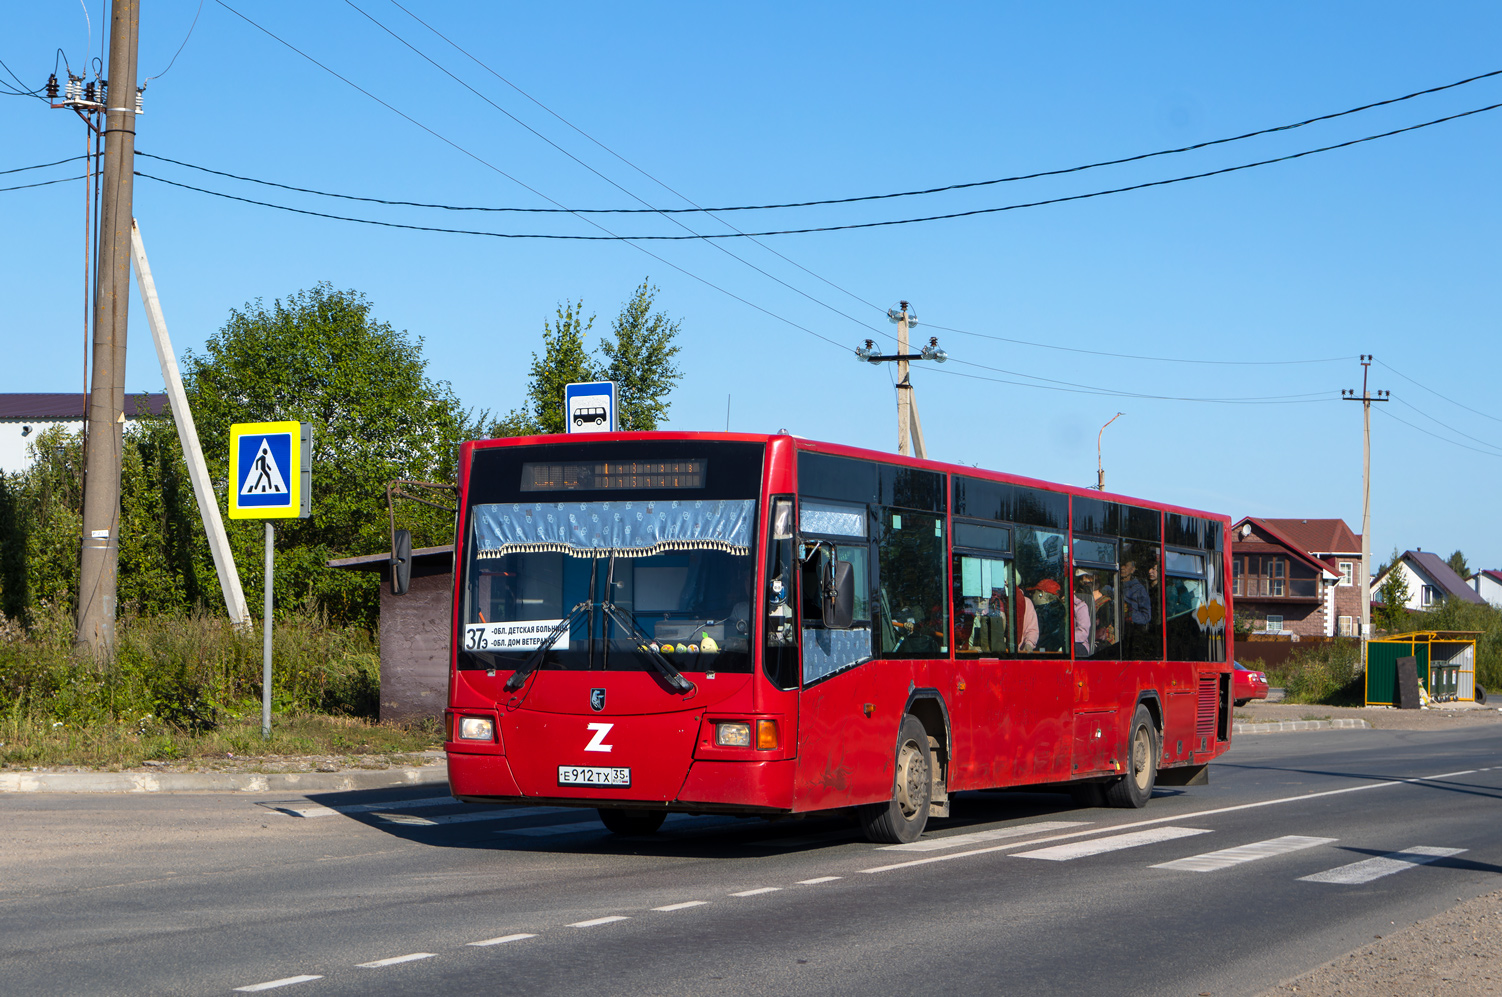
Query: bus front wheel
[
  {"x": 1134, "y": 789},
  {"x": 631, "y": 822},
  {"x": 902, "y": 818}
]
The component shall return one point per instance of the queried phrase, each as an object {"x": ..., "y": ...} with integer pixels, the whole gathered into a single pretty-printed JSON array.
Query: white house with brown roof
[
  {"x": 24, "y": 417},
  {"x": 1488, "y": 585},
  {"x": 1430, "y": 580}
]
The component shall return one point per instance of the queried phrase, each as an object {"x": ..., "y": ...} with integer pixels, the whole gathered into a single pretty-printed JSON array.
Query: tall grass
[{"x": 1330, "y": 674}]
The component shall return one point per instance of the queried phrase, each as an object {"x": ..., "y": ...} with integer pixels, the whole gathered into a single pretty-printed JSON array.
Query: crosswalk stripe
[
  {"x": 1116, "y": 842},
  {"x": 417, "y": 820},
  {"x": 307, "y": 808},
  {"x": 995, "y": 834},
  {"x": 1227, "y": 857},
  {"x": 1383, "y": 865}
]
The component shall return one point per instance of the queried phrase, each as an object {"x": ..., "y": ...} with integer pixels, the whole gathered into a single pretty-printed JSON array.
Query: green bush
[
  {"x": 1329, "y": 674},
  {"x": 186, "y": 672},
  {"x": 1453, "y": 614}
]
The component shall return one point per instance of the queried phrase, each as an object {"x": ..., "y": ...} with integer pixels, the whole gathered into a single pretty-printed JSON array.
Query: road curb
[
  {"x": 220, "y": 782},
  {"x": 1288, "y": 725}
]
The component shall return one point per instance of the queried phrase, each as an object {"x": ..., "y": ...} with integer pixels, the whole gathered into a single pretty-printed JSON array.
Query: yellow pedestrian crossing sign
[{"x": 271, "y": 470}]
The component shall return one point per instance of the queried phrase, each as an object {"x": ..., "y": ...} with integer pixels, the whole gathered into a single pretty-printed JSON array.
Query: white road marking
[
  {"x": 503, "y": 939},
  {"x": 469, "y": 818},
  {"x": 551, "y": 830},
  {"x": 395, "y": 960},
  {"x": 307, "y": 808},
  {"x": 1196, "y": 815},
  {"x": 1383, "y": 865},
  {"x": 821, "y": 879},
  {"x": 683, "y": 906},
  {"x": 272, "y": 985},
  {"x": 752, "y": 893},
  {"x": 1116, "y": 842},
  {"x": 975, "y": 837},
  {"x": 598, "y": 920},
  {"x": 1227, "y": 857}
]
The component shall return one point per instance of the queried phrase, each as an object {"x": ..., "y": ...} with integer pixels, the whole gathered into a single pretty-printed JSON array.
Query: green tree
[
  {"x": 640, "y": 361},
  {"x": 638, "y": 357},
  {"x": 1457, "y": 564},
  {"x": 1392, "y": 616},
  {"x": 321, "y": 357}
]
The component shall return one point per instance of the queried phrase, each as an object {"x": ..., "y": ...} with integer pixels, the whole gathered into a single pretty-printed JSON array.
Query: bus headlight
[
  {"x": 476, "y": 729},
  {"x": 733, "y": 734}
]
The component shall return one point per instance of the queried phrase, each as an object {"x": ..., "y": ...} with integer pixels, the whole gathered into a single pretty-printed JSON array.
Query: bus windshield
[{"x": 659, "y": 563}]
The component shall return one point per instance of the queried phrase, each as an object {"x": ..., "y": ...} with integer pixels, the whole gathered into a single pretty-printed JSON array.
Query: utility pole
[
  {"x": 1366, "y": 398},
  {"x": 99, "y": 565},
  {"x": 909, "y": 425}
]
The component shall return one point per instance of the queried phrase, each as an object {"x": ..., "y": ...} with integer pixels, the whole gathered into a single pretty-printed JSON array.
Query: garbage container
[{"x": 1444, "y": 680}]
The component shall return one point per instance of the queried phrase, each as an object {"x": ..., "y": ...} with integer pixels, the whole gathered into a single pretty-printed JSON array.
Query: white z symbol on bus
[{"x": 597, "y": 743}]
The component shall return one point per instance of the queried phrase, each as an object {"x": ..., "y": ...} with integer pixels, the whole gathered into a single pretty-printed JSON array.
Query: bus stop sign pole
[{"x": 272, "y": 468}]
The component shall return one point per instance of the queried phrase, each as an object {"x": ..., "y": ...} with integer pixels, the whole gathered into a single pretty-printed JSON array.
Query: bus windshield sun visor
[{"x": 636, "y": 528}]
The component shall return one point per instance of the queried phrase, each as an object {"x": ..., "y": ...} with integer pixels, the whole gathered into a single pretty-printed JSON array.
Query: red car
[{"x": 1248, "y": 685}]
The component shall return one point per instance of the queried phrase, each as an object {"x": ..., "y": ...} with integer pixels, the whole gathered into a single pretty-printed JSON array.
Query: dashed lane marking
[
  {"x": 1196, "y": 815},
  {"x": 816, "y": 882},
  {"x": 503, "y": 939},
  {"x": 273, "y": 984},
  {"x": 1227, "y": 857},
  {"x": 1116, "y": 842},
  {"x": 395, "y": 960},
  {"x": 1383, "y": 865},
  {"x": 599, "y": 920},
  {"x": 757, "y": 892},
  {"x": 683, "y": 906},
  {"x": 975, "y": 837}
]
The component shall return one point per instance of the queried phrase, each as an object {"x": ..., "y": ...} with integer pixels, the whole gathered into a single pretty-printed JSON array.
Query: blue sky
[{"x": 1388, "y": 248}]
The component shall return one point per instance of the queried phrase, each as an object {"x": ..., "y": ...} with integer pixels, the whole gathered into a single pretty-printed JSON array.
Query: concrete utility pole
[
  {"x": 909, "y": 425},
  {"x": 99, "y": 566},
  {"x": 1366, "y": 398}
]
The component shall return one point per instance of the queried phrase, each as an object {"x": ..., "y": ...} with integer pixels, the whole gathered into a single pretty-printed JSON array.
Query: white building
[
  {"x": 24, "y": 417},
  {"x": 1488, "y": 585},
  {"x": 1429, "y": 578}
]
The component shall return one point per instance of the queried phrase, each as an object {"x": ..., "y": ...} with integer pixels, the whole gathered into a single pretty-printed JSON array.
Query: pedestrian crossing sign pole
[{"x": 271, "y": 477}]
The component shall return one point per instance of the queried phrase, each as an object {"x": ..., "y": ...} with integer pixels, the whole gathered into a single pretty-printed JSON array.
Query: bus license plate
[{"x": 593, "y": 775}]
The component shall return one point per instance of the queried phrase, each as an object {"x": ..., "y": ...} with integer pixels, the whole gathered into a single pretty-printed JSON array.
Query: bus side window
[
  {"x": 913, "y": 606},
  {"x": 983, "y": 606},
  {"x": 1042, "y": 564}
]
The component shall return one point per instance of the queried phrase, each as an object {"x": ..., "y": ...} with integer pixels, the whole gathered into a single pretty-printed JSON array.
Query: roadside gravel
[
  {"x": 1442, "y": 717},
  {"x": 1457, "y": 954}
]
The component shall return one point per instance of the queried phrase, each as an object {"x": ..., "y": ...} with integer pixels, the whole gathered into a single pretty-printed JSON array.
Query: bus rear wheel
[
  {"x": 1134, "y": 789},
  {"x": 631, "y": 822},
  {"x": 902, "y": 818}
]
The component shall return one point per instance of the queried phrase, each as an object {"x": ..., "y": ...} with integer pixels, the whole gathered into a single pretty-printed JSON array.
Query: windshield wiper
[
  {"x": 530, "y": 665},
  {"x": 627, "y": 622}
]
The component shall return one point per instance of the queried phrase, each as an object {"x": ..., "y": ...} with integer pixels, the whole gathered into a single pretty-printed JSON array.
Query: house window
[
  {"x": 1274, "y": 624},
  {"x": 1345, "y": 572},
  {"x": 1346, "y": 627},
  {"x": 1430, "y": 595},
  {"x": 1279, "y": 566},
  {"x": 1236, "y": 576}
]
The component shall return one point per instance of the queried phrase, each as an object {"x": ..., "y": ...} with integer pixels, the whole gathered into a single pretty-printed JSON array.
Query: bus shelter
[{"x": 1445, "y": 660}]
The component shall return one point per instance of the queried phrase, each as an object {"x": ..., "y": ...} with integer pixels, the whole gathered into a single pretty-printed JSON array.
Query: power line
[
  {"x": 1437, "y": 394},
  {"x": 1426, "y": 432},
  {"x": 1132, "y": 356},
  {"x": 610, "y": 236},
  {"x": 44, "y": 183},
  {"x": 602, "y": 176},
  {"x": 41, "y": 166},
  {"x": 180, "y": 48},
  {"x": 491, "y": 166},
  {"x": 1446, "y": 425},
  {"x": 1087, "y": 390},
  {"x": 1096, "y": 389}
]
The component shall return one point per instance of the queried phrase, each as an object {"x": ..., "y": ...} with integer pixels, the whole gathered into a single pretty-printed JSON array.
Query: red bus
[{"x": 648, "y": 623}]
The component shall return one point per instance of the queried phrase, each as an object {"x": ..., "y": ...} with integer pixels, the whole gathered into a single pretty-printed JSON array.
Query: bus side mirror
[
  {"x": 839, "y": 596},
  {"x": 401, "y": 562}
]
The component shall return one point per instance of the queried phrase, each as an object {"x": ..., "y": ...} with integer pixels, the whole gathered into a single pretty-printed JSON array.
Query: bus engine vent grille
[{"x": 1208, "y": 707}]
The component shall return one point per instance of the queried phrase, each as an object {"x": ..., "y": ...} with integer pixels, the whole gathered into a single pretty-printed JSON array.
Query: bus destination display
[{"x": 612, "y": 475}]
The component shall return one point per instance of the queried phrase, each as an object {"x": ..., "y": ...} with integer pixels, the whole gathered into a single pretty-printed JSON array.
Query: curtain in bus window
[
  {"x": 834, "y": 519},
  {"x": 627, "y": 529},
  {"x": 1042, "y": 567},
  {"x": 826, "y": 652},
  {"x": 912, "y": 609},
  {"x": 984, "y": 606}
]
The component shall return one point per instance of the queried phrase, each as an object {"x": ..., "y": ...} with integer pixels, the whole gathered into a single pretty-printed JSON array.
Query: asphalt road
[{"x": 1303, "y": 847}]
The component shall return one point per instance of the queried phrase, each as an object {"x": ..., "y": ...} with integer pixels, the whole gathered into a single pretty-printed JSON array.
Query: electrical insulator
[
  {"x": 88, "y": 92},
  {"x": 52, "y": 87},
  {"x": 140, "y": 93},
  {"x": 74, "y": 88},
  {"x": 104, "y": 93}
]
